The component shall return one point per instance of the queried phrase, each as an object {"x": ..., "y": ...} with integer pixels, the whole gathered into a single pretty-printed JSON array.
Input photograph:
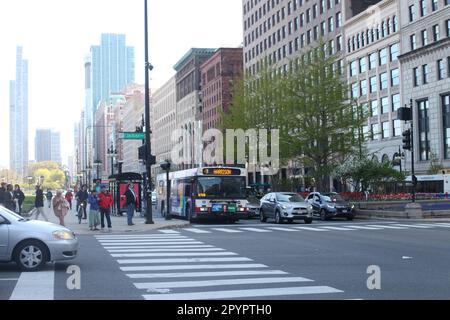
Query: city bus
[{"x": 205, "y": 193}]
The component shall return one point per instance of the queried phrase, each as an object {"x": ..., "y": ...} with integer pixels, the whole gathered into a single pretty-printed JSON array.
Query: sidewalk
[{"x": 119, "y": 224}]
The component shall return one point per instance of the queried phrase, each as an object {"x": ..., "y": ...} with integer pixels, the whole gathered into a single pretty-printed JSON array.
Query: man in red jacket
[{"x": 105, "y": 203}]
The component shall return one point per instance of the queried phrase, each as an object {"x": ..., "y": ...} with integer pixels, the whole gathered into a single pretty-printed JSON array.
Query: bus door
[{"x": 187, "y": 199}]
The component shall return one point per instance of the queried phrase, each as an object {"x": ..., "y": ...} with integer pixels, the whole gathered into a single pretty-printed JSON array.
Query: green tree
[
  {"x": 435, "y": 164},
  {"x": 49, "y": 173}
]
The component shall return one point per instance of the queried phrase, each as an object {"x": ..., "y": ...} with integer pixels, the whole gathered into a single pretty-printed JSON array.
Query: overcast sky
[{"x": 56, "y": 35}]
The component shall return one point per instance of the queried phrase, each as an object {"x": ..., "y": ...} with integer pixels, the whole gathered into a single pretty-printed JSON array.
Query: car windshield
[
  {"x": 221, "y": 187},
  {"x": 327, "y": 199},
  {"x": 253, "y": 200},
  {"x": 8, "y": 214},
  {"x": 336, "y": 197},
  {"x": 290, "y": 198}
]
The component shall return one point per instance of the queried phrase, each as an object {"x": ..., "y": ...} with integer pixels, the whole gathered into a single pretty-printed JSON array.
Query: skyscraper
[
  {"x": 48, "y": 146},
  {"x": 112, "y": 67},
  {"x": 18, "y": 116}
]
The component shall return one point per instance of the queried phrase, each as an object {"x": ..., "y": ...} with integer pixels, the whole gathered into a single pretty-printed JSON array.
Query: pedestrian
[
  {"x": 2, "y": 194},
  {"x": 19, "y": 197},
  {"x": 9, "y": 198},
  {"x": 60, "y": 207},
  {"x": 49, "y": 196},
  {"x": 130, "y": 203},
  {"x": 69, "y": 197},
  {"x": 94, "y": 216},
  {"x": 105, "y": 203},
  {"x": 82, "y": 197},
  {"x": 39, "y": 203}
]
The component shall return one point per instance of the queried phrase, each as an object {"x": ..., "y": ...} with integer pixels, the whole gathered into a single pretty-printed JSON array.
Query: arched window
[
  {"x": 385, "y": 159},
  {"x": 394, "y": 24},
  {"x": 353, "y": 43},
  {"x": 375, "y": 158},
  {"x": 358, "y": 41},
  {"x": 363, "y": 39},
  {"x": 383, "y": 29},
  {"x": 389, "y": 26}
]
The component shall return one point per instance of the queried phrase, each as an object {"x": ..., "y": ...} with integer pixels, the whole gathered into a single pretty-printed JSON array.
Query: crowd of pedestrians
[{"x": 93, "y": 206}]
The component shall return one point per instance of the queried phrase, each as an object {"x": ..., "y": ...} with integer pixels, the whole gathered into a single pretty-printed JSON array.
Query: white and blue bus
[{"x": 205, "y": 193}]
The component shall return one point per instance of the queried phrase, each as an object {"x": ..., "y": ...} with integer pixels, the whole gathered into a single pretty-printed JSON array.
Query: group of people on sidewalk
[
  {"x": 11, "y": 197},
  {"x": 100, "y": 204}
]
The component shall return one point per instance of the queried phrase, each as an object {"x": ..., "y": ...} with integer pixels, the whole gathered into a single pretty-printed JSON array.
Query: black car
[{"x": 330, "y": 205}]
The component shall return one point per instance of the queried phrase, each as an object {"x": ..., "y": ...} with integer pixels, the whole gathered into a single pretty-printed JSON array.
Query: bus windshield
[{"x": 221, "y": 187}]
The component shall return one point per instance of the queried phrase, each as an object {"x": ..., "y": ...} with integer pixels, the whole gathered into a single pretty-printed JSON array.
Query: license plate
[
  {"x": 344, "y": 211},
  {"x": 216, "y": 207}
]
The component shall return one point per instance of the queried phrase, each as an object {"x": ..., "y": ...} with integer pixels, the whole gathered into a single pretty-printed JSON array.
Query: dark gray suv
[
  {"x": 285, "y": 206},
  {"x": 330, "y": 205}
]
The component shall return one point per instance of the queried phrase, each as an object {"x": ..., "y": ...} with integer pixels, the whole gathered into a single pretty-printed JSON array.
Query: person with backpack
[
  {"x": 18, "y": 197},
  {"x": 39, "y": 203},
  {"x": 2, "y": 194},
  {"x": 9, "y": 198},
  {"x": 49, "y": 197},
  {"x": 82, "y": 197},
  {"x": 105, "y": 203},
  {"x": 94, "y": 216}
]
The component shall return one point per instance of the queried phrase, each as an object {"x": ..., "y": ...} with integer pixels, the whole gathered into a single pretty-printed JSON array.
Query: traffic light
[{"x": 407, "y": 140}]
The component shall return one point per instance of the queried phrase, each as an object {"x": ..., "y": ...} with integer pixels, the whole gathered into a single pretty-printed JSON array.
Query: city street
[{"x": 250, "y": 260}]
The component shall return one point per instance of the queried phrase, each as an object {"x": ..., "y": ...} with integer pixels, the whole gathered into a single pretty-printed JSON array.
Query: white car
[{"x": 31, "y": 244}]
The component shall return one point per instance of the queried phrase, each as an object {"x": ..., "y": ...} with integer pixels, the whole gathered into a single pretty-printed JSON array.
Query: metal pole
[
  {"x": 168, "y": 217},
  {"x": 412, "y": 153},
  {"x": 147, "y": 192}
]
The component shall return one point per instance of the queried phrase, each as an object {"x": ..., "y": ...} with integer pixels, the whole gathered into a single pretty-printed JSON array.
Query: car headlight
[
  {"x": 330, "y": 207},
  {"x": 353, "y": 207},
  {"x": 310, "y": 208},
  {"x": 63, "y": 235},
  {"x": 284, "y": 207}
]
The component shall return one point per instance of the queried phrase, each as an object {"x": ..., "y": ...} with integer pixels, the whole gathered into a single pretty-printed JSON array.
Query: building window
[
  {"x": 385, "y": 130},
  {"x": 412, "y": 13},
  {"x": 355, "y": 91},
  {"x": 397, "y": 124},
  {"x": 395, "y": 102},
  {"x": 374, "y": 108},
  {"x": 394, "y": 24},
  {"x": 425, "y": 73},
  {"x": 373, "y": 84},
  {"x": 436, "y": 33},
  {"x": 413, "y": 42},
  {"x": 434, "y": 5},
  {"x": 416, "y": 77},
  {"x": 362, "y": 65},
  {"x": 424, "y": 142},
  {"x": 395, "y": 79},
  {"x": 384, "y": 105},
  {"x": 383, "y": 56},
  {"x": 339, "y": 43},
  {"x": 338, "y": 20},
  {"x": 363, "y": 87},
  {"x": 448, "y": 27},
  {"x": 375, "y": 128},
  {"x": 446, "y": 116},
  {"x": 383, "y": 81},
  {"x": 394, "y": 52},
  {"x": 424, "y": 37},
  {"x": 440, "y": 69},
  {"x": 423, "y": 8},
  {"x": 372, "y": 61}
]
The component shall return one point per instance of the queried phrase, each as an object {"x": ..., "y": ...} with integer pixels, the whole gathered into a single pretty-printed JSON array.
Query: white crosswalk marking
[
  {"x": 442, "y": 225},
  {"x": 311, "y": 229},
  {"x": 169, "y": 231},
  {"x": 165, "y": 250},
  {"x": 283, "y": 229},
  {"x": 227, "y": 230},
  {"x": 207, "y": 274},
  {"x": 169, "y": 257},
  {"x": 243, "y": 293},
  {"x": 387, "y": 227},
  {"x": 172, "y": 254},
  {"x": 362, "y": 227},
  {"x": 338, "y": 228},
  {"x": 195, "y": 230},
  {"x": 412, "y": 226},
  {"x": 255, "y": 230},
  {"x": 193, "y": 267},
  {"x": 212, "y": 283}
]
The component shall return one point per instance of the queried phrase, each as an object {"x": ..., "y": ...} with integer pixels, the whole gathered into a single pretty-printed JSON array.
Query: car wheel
[
  {"x": 323, "y": 215},
  {"x": 31, "y": 256},
  {"x": 278, "y": 219},
  {"x": 262, "y": 217},
  {"x": 350, "y": 218},
  {"x": 308, "y": 220}
]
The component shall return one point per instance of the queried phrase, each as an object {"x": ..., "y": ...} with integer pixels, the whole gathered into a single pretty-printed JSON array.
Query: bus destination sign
[{"x": 221, "y": 172}]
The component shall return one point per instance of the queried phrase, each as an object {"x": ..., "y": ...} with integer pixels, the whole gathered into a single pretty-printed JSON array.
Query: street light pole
[{"x": 149, "y": 213}]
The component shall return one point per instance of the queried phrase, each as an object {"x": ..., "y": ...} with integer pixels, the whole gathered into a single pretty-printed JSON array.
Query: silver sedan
[{"x": 31, "y": 244}]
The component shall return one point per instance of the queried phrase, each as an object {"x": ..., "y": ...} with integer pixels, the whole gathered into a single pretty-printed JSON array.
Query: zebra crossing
[
  {"x": 319, "y": 228},
  {"x": 171, "y": 266}
]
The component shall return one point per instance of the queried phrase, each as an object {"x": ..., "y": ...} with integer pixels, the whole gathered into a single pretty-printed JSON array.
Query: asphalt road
[{"x": 250, "y": 260}]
